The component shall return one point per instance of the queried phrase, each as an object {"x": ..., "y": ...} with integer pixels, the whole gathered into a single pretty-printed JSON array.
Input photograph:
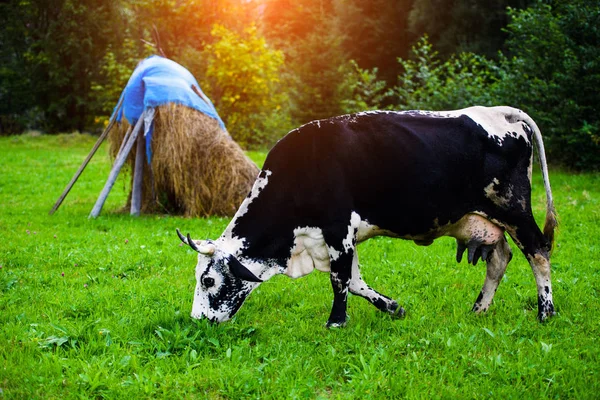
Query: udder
[{"x": 476, "y": 234}]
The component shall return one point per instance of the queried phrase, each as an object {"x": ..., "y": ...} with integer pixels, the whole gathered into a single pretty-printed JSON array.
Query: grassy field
[{"x": 100, "y": 308}]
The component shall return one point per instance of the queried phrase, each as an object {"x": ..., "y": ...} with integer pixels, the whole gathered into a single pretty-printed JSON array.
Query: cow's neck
[{"x": 246, "y": 240}]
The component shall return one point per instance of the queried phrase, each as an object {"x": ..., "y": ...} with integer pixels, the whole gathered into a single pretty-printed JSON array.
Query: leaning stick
[
  {"x": 87, "y": 160},
  {"x": 125, "y": 138},
  {"x": 119, "y": 161},
  {"x": 138, "y": 174}
]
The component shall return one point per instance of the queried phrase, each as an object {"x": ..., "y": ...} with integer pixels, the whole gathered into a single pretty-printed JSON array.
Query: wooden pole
[
  {"x": 138, "y": 175},
  {"x": 87, "y": 160},
  {"x": 125, "y": 138},
  {"x": 119, "y": 161}
]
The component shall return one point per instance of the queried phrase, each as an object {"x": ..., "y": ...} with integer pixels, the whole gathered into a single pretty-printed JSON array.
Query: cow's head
[{"x": 222, "y": 282}]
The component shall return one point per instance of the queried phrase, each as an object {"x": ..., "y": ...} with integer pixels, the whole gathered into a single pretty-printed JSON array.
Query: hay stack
[{"x": 197, "y": 169}]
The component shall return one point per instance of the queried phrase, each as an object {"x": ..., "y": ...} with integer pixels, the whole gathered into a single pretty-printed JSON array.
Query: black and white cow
[{"x": 416, "y": 175}]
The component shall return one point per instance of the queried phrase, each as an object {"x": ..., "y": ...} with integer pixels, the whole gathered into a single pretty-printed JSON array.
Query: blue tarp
[{"x": 157, "y": 81}]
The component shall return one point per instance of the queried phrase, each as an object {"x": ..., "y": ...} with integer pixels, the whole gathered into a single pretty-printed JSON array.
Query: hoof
[
  {"x": 398, "y": 313},
  {"x": 543, "y": 317},
  {"x": 545, "y": 309},
  {"x": 335, "y": 325},
  {"x": 478, "y": 307}
]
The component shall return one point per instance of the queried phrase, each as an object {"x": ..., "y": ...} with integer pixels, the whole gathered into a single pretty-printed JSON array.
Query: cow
[{"x": 417, "y": 175}]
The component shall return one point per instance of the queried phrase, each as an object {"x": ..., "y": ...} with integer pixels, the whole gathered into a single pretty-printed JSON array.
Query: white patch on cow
[
  {"x": 426, "y": 113},
  {"x": 367, "y": 231},
  {"x": 376, "y": 112},
  {"x": 333, "y": 253},
  {"x": 200, "y": 306},
  {"x": 335, "y": 280},
  {"x": 498, "y": 122},
  {"x": 349, "y": 241},
  {"x": 358, "y": 231},
  {"x": 492, "y": 194},
  {"x": 309, "y": 252}
]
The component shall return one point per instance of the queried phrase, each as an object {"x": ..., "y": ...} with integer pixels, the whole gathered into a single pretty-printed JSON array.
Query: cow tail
[{"x": 551, "y": 217}]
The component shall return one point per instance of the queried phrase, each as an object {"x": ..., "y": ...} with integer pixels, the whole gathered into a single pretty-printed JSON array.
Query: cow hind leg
[
  {"x": 540, "y": 264},
  {"x": 496, "y": 266},
  {"x": 535, "y": 246},
  {"x": 358, "y": 287}
]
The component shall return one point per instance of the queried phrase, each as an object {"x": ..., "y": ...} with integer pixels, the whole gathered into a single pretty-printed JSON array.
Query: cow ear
[{"x": 238, "y": 270}]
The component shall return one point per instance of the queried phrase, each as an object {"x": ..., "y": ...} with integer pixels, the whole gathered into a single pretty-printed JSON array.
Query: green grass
[{"x": 100, "y": 308}]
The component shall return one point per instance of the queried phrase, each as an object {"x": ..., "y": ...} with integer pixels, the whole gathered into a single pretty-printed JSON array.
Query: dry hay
[{"x": 197, "y": 169}]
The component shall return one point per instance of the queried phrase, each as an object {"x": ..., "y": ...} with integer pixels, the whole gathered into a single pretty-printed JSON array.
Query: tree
[
  {"x": 56, "y": 58},
  {"x": 242, "y": 76},
  {"x": 554, "y": 74},
  {"x": 455, "y": 26},
  {"x": 429, "y": 83},
  {"x": 307, "y": 33},
  {"x": 375, "y": 33}
]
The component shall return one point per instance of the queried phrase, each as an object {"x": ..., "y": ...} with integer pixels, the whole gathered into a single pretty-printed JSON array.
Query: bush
[
  {"x": 428, "y": 83},
  {"x": 242, "y": 77},
  {"x": 361, "y": 90},
  {"x": 555, "y": 74},
  {"x": 117, "y": 67}
]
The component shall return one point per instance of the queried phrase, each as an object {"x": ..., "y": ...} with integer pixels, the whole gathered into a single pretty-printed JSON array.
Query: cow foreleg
[
  {"x": 360, "y": 288},
  {"x": 340, "y": 282},
  {"x": 496, "y": 266}
]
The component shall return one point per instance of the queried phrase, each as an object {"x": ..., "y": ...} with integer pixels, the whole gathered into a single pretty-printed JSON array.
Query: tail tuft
[{"x": 550, "y": 225}]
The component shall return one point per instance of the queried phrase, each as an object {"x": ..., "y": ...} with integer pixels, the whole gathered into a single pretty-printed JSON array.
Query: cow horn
[
  {"x": 206, "y": 249},
  {"x": 191, "y": 242},
  {"x": 181, "y": 237}
]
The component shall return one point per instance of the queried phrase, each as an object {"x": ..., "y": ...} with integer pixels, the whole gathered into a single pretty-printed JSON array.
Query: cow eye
[{"x": 208, "y": 282}]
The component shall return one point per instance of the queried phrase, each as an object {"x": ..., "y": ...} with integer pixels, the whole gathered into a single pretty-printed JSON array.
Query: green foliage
[
  {"x": 308, "y": 33},
  {"x": 428, "y": 83},
  {"x": 55, "y": 58},
  {"x": 463, "y": 26},
  {"x": 554, "y": 73},
  {"x": 116, "y": 69},
  {"x": 374, "y": 33},
  {"x": 63, "y": 62},
  {"x": 100, "y": 308},
  {"x": 362, "y": 90},
  {"x": 243, "y": 78}
]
